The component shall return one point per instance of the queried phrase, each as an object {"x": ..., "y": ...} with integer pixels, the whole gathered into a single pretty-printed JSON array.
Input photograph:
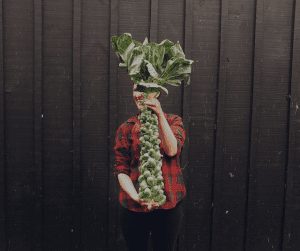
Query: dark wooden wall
[{"x": 63, "y": 98}]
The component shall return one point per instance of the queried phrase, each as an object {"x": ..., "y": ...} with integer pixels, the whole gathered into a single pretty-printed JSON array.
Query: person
[{"x": 163, "y": 221}]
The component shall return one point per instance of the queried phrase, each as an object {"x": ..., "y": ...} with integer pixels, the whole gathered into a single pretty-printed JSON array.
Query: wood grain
[
  {"x": 76, "y": 179},
  {"x": 291, "y": 216},
  {"x": 2, "y": 144},
  {"x": 113, "y": 81},
  {"x": 38, "y": 125}
]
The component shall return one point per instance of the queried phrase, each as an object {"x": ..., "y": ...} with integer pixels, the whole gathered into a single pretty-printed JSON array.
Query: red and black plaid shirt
[{"x": 127, "y": 151}]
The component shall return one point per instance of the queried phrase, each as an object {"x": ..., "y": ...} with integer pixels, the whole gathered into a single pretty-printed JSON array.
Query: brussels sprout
[
  {"x": 159, "y": 178},
  {"x": 151, "y": 162},
  {"x": 142, "y": 158},
  {"x": 157, "y": 158},
  {"x": 154, "y": 173},
  {"x": 147, "y": 192},
  {"x": 157, "y": 169},
  {"x": 143, "y": 184},
  {"x": 158, "y": 155},
  {"x": 147, "y": 174},
  {"x": 144, "y": 163},
  {"x": 160, "y": 191},
  {"x": 160, "y": 199},
  {"x": 159, "y": 165},
  {"x": 155, "y": 188},
  {"x": 142, "y": 168},
  {"x": 141, "y": 178},
  {"x": 140, "y": 194},
  {"x": 153, "y": 140},
  {"x": 146, "y": 155},
  {"x": 156, "y": 148},
  {"x": 150, "y": 181},
  {"x": 148, "y": 145},
  {"x": 151, "y": 152}
]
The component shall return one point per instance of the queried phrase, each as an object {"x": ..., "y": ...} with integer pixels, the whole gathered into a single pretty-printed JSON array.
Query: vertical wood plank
[
  {"x": 186, "y": 113},
  {"x": 57, "y": 123},
  {"x": 289, "y": 216},
  {"x": 220, "y": 128},
  {"x": 153, "y": 24},
  {"x": 203, "y": 95},
  {"x": 76, "y": 190},
  {"x": 95, "y": 33},
  {"x": 237, "y": 117},
  {"x": 113, "y": 80},
  {"x": 267, "y": 181},
  {"x": 250, "y": 229},
  {"x": 2, "y": 142},
  {"x": 18, "y": 78},
  {"x": 153, "y": 38},
  {"x": 38, "y": 117}
]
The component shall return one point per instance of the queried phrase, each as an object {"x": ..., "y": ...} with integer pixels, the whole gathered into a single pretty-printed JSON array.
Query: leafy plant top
[{"x": 150, "y": 64}]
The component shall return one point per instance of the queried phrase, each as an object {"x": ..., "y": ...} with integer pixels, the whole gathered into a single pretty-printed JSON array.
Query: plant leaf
[
  {"x": 126, "y": 56},
  {"x": 146, "y": 50},
  {"x": 114, "y": 41},
  {"x": 166, "y": 44},
  {"x": 177, "y": 51},
  {"x": 137, "y": 44},
  {"x": 135, "y": 67},
  {"x": 123, "y": 42},
  {"x": 153, "y": 85},
  {"x": 137, "y": 51},
  {"x": 177, "y": 70},
  {"x": 123, "y": 65},
  {"x": 175, "y": 82},
  {"x": 145, "y": 41},
  {"x": 189, "y": 81},
  {"x": 160, "y": 52},
  {"x": 151, "y": 69}
]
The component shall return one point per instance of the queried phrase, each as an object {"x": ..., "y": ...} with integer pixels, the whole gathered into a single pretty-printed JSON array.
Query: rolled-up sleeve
[
  {"x": 122, "y": 152},
  {"x": 179, "y": 133}
]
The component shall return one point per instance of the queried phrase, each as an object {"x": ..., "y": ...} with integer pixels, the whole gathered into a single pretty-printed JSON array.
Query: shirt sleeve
[
  {"x": 122, "y": 152},
  {"x": 179, "y": 133}
]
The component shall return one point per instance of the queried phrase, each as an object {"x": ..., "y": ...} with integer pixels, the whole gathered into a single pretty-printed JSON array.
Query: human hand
[
  {"x": 153, "y": 104},
  {"x": 145, "y": 203}
]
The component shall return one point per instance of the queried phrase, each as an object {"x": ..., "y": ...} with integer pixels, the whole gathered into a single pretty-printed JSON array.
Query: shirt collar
[{"x": 134, "y": 119}]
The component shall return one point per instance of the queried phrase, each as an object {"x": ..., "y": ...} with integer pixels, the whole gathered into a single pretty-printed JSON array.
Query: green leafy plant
[
  {"x": 143, "y": 61},
  {"x": 152, "y": 66}
]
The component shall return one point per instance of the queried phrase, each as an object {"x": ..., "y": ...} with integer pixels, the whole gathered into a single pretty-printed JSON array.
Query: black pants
[{"x": 164, "y": 225}]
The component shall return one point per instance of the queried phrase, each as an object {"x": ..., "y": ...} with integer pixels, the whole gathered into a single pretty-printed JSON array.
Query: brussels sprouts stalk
[{"x": 151, "y": 181}]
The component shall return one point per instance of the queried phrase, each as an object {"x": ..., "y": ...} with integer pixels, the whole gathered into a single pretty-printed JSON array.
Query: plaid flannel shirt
[{"x": 127, "y": 150}]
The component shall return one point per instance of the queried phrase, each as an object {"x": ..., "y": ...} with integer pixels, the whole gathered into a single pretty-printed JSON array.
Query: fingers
[
  {"x": 150, "y": 104},
  {"x": 147, "y": 204}
]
